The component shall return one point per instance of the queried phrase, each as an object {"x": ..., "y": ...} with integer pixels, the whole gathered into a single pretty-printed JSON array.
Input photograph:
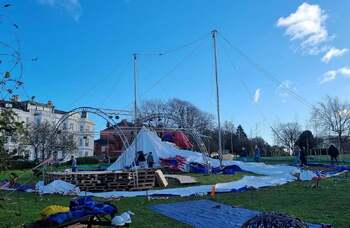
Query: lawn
[{"x": 328, "y": 204}]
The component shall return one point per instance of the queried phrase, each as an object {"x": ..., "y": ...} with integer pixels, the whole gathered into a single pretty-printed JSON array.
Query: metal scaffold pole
[
  {"x": 135, "y": 113},
  {"x": 214, "y": 32}
]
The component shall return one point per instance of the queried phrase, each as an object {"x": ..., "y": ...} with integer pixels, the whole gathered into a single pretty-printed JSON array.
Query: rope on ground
[{"x": 274, "y": 220}]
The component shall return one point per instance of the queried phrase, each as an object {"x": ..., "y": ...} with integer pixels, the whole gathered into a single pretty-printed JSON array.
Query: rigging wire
[
  {"x": 244, "y": 85},
  {"x": 266, "y": 73},
  {"x": 170, "y": 51},
  {"x": 93, "y": 87},
  {"x": 172, "y": 70},
  {"x": 114, "y": 85}
]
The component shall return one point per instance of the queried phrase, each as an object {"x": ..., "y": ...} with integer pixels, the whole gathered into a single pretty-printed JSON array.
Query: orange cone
[{"x": 213, "y": 191}]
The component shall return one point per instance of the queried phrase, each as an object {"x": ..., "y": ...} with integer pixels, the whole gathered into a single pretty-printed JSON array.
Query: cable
[
  {"x": 267, "y": 73},
  {"x": 115, "y": 84},
  {"x": 92, "y": 88},
  {"x": 247, "y": 90},
  {"x": 176, "y": 66},
  {"x": 185, "y": 45},
  {"x": 169, "y": 51}
]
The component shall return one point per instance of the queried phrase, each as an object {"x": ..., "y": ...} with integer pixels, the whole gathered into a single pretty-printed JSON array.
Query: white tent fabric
[
  {"x": 148, "y": 141},
  {"x": 57, "y": 186}
]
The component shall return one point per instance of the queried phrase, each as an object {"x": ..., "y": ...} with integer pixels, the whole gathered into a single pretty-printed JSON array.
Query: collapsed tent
[
  {"x": 163, "y": 153},
  {"x": 179, "y": 138}
]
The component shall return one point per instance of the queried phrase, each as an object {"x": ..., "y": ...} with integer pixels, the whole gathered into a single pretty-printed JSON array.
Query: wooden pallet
[{"x": 100, "y": 181}]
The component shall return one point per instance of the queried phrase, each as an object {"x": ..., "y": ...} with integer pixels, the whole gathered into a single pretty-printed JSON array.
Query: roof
[
  {"x": 122, "y": 124},
  {"x": 23, "y": 105},
  {"x": 101, "y": 141}
]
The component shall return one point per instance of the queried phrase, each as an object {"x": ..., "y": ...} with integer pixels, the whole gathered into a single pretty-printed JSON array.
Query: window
[
  {"x": 86, "y": 153},
  {"x": 71, "y": 126},
  {"x": 81, "y": 128},
  {"x": 81, "y": 142},
  {"x": 64, "y": 126},
  {"x": 87, "y": 142}
]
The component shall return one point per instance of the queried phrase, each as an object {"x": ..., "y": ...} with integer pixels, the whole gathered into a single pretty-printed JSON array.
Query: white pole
[{"x": 214, "y": 32}]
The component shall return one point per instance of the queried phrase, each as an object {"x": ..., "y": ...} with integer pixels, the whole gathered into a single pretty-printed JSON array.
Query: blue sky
[{"x": 84, "y": 54}]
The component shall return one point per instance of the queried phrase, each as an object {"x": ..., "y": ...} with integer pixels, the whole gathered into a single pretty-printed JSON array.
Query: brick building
[{"x": 110, "y": 143}]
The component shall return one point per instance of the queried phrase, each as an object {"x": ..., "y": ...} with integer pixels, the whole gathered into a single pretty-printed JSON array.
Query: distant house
[
  {"x": 328, "y": 140},
  {"x": 110, "y": 143},
  {"x": 32, "y": 112}
]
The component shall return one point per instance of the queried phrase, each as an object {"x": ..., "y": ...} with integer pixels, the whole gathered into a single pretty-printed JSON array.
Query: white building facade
[{"x": 31, "y": 112}]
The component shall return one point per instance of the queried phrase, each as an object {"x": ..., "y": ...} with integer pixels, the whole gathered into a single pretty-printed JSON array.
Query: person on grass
[
  {"x": 296, "y": 154},
  {"x": 141, "y": 160},
  {"x": 303, "y": 159},
  {"x": 244, "y": 154},
  {"x": 150, "y": 160},
  {"x": 74, "y": 164},
  {"x": 257, "y": 154},
  {"x": 333, "y": 152}
]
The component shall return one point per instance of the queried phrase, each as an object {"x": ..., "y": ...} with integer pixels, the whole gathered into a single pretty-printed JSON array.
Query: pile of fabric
[
  {"x": 178, "y": 138},
  {"x": 81, "y": 207},
  {"x": 9, "y": 185}
]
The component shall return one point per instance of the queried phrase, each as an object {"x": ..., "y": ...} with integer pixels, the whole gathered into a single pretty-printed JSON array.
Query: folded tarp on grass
[{"x": 207, "y": 213}]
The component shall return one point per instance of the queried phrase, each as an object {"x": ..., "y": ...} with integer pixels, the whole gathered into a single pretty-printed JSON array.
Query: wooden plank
[
  {"x": 182, "y": 178},
  {"x": 161, "y": 178}
]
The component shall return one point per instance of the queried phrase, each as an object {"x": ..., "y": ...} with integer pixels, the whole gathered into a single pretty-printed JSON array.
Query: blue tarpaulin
[{"x": 207, "y": 213}]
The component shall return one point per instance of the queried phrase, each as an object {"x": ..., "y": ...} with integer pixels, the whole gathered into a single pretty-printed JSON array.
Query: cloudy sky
[{"x": 276, "y": 58}]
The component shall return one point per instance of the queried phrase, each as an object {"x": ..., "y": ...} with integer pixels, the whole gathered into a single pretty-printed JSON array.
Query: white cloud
[
  {"x": 306, "y": 24},
  {"x": 73, "y": 7},
  {"x": 329, "y": 76},
  {"x": 333, "y": 74},
  {"x": 345, "y": 71},
  {"x": 257, "y": 95},
  {"x": 333, "y": 52}
]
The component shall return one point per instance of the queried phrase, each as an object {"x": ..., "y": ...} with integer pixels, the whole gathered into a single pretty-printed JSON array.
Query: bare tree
[
  {"x": 333, "y": 116},
  {"x": 40, "y": 137},
  {"x": 286, "y": 134},
  {"x": 182, "y": 113}
]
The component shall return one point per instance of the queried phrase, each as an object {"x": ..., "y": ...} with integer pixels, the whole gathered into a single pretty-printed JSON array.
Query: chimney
[
  {"x": 15, "y": 98},
  {"x": 49, "y": 103}
]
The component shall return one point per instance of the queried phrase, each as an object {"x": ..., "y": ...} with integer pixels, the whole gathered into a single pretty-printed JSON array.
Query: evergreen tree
[{"x": 9, "y": 127}]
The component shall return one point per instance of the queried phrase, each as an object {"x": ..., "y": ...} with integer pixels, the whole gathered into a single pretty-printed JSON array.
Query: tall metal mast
[
  {"x": 214, "y": 32},
  {"x": 135, "y": 100}
]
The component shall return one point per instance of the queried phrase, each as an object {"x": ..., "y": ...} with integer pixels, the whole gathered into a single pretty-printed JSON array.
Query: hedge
[{"x": 21, "y": 164}]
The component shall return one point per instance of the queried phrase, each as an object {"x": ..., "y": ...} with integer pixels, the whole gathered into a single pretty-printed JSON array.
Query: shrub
[
  {"x": 21, "y": 164},
  {"x": 87, "y": 160}
]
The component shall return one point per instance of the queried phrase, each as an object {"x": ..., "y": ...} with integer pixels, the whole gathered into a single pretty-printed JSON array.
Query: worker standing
[
  {"x": 74, "y": 164},
  {"x": 150, "y": 160},
  {"x": 257, "y": 154}
]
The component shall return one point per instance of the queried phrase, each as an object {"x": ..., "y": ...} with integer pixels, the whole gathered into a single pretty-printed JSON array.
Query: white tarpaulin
[
  {"x": 273, "y": 175},
  {"x": 148, "y": 141},
  {"x": 57, "y": 186}
]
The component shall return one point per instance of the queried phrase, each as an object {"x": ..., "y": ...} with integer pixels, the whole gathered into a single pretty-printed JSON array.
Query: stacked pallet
[{"x": 104, "y": 181}]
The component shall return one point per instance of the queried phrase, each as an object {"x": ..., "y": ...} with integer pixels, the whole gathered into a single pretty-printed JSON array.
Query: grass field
[{"x": 328, "y": 204}]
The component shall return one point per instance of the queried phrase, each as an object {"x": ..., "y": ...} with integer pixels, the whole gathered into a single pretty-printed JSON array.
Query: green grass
[
  {"x": 327, "y": 204},
  {"x": 25, "y": 176},
  {"x": 218, "y": 178}
]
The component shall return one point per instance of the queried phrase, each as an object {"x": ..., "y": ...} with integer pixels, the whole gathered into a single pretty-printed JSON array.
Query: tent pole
[
  {"x": 135, "y": 111},
  {"x": 214, "y": 32}
]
